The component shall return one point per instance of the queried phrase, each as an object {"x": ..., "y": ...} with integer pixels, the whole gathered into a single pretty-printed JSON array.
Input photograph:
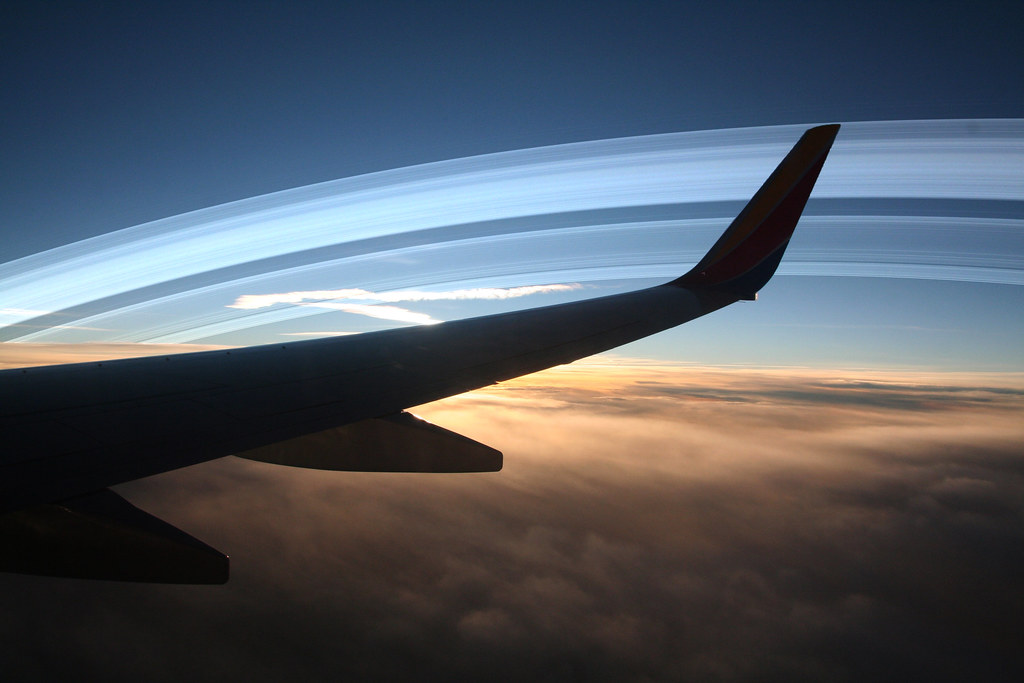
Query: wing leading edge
[{"x": 73, "y": 430}]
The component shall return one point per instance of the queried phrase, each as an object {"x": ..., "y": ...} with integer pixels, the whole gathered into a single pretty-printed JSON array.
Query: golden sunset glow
[{"x": 23, "y": 355}]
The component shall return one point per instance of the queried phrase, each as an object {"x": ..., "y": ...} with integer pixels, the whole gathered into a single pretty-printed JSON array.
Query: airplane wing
[{"x": 72, "y": 431}]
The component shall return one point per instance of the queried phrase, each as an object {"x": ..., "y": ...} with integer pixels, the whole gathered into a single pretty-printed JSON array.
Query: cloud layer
[{"x": 651, "y": 523}]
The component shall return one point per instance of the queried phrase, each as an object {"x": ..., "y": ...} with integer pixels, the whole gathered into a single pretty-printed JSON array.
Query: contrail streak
[{"x": 628, "y": 208}]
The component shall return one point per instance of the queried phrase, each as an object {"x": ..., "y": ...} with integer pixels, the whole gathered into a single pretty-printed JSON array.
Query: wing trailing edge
[
  {"x": 103, "y": 536},
  {"x": 395, "y": 443}
]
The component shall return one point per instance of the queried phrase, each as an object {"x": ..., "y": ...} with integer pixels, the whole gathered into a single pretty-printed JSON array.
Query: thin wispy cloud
[
  {"x": 338, "y": 300},
  {"x": 310, "y": 298},
  {"x": 324, "y": 333},
  {"x": 396, "y": 313},
  {"x": 21, "y": 312},
  {"x": 62, "y": 327}
]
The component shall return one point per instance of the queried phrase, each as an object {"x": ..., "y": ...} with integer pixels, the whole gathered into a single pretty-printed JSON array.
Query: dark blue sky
[{"x": 118, "y": 113}]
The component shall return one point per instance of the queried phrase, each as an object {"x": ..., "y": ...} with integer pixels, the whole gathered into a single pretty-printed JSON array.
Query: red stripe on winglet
[{"x": 776, "y": 229}]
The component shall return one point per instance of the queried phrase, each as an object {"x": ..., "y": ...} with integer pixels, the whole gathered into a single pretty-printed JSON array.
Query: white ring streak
[{"x": 979, "y": 161}]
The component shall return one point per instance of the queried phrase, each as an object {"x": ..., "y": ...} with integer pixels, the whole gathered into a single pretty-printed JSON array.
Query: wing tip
[{"x": 747, "y": 254}]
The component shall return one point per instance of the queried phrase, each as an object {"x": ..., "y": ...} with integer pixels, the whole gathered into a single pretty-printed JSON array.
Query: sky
[{"x": 825, "y": 483}]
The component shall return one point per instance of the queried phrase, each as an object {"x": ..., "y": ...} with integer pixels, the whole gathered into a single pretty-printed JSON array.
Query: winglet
[{"x": 746, "y": 255}]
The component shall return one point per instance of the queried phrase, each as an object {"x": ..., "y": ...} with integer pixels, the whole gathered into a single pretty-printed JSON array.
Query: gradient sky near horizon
[{"x": 222, "y": 173}]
